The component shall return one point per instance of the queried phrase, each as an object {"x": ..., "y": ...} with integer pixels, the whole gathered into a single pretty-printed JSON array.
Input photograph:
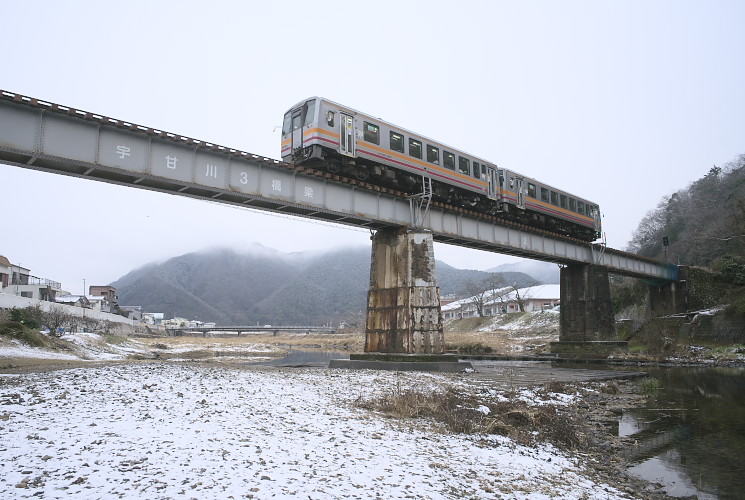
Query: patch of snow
[
  {"x": 15, "y": 349},
  {"x": 165, "y": 430},
  {"x": 91, "y": 346}
]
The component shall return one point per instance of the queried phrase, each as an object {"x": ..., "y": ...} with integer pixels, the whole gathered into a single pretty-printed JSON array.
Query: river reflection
[{"x": 691, "y": 434}]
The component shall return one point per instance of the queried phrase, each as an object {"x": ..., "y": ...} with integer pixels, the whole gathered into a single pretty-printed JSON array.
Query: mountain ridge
[{"x": 228, "y": 286}]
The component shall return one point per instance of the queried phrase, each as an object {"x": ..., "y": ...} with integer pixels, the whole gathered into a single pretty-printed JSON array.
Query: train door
[
  {"x": 491, "y": 176},
  {"x": 346, "y": 135},
  {"x": 297, "y": 128},
  {"x": 520, "y": 192},
  {"x": 596, "y": 219}
]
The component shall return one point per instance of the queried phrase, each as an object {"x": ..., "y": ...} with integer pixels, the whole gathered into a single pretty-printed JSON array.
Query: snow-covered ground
[
  {"x": 11, "y": 349},
  {"x": 188, "y": 430},
  {"x": 97, "y": 347}
]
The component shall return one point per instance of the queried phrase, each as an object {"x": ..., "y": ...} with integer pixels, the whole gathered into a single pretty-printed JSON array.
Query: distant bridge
[
  {"x": 239, "y": 330},
  {"x": 53, "y": 138}
]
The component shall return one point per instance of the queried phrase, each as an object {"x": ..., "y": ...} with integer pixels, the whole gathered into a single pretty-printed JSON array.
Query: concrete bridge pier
[
  {"x": 587, "y": 325},
  {"x": 671, "y": 297},
  {"x": 403, "y": 303}
]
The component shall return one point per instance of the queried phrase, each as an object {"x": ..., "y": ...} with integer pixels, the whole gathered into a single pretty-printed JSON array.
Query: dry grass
[
  {"x": 249, "y": 345},
  {"x": 468, "y": 414},
  {"x": 528, "y": 333},
  {"x": 468, "y": 336}
]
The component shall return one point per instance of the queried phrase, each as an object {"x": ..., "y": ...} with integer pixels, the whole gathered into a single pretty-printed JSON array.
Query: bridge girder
[{"x": 48, "y": 137}]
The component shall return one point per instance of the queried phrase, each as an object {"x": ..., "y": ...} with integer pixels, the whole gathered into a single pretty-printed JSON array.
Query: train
[{"x": 329, "y": 136}]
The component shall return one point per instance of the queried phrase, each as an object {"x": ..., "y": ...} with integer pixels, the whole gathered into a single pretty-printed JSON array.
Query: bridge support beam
[
  {"x": 586, "y": 321},
  {"x": 403, "y": 303}
]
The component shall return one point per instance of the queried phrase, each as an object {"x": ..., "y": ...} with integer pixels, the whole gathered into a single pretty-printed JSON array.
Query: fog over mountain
[
  {"x": 545, "y": 272},
  {"x": 262, "y": 285}
]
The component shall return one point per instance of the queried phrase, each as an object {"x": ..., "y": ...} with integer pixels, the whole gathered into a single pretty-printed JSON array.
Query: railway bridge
[{"x": 403, "y": 306}]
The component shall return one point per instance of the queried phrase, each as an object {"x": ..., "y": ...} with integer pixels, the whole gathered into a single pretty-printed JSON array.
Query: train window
[
  {"x": 512, "y": 183},
  {"x": 330, "y": 118},
  {"x": 581, "y": 207},
  {"x": 397, "y": 142},
  {"x": 483, "y": 172},
  {"x": 415, "y": 148},
  {"x": 554, "y": 198},
  {"x": 433, "y": 154},
  {"x": 531, "y": 190},
  {"x": 287, "y": 123},
  {"x": 476, "y": 170},
  {"x": 310, "y": 112},
  {"x": 563, "y": 199},
  {"x": 572, "y": 204},
  {"x": 448, "y": 160},
  {"x": 464, "y": 165},
  {"x": 297, "y": 119},
  {"x": 544, "y": 195},
  {"x": 372, "y": 133}
]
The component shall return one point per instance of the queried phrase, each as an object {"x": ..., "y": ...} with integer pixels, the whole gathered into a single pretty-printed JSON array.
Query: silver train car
[{"x": 331, "y": 136}]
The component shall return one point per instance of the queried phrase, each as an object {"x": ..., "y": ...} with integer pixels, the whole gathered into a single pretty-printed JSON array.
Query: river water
[
  {"x": 690, "y": 437},
  {"x": 307, "y": 357}
]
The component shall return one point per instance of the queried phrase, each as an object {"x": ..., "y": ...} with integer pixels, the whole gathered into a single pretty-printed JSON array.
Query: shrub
[
  {"x": 31, "y": 316},
  {"x": 472, "y": 348},
  {"x": 650, "y": 385},
  {"x": 731, "y": 269},
  {"x": 18, "y": 331},
  {"x": 464, "y": 413}
]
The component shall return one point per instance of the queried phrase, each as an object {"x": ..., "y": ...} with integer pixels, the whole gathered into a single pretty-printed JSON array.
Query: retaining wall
[{"x": 118, "y": 323}]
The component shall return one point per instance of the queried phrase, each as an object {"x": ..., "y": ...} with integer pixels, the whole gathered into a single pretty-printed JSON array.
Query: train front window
[
  {"x": 464, "y": 165},
  {"x": 448, "y": 160},
  {"x": 397, "y": 142},
  {"x": 372, "y": 133},
  {"x": 287, "y": 123},
  {"x": 297, "y": 119},
  {"x": 415, "y": 149},
  {"x": 310, "y": 112},
  {"x": 433, "y": 154}
]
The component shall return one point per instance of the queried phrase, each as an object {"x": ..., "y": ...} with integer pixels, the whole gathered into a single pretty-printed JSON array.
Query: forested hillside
[
  {"x": 265, "y": 286},
  {"x": 704, "y": 224}
]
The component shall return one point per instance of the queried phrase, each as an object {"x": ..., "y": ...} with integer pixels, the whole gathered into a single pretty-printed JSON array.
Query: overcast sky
[{"x": 620, "y": 102}]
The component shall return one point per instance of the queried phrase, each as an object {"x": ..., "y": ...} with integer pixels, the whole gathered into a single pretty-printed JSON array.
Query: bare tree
[
  {"x": 519, "y": 299},
  {"x": 56, "y": 318},
  {"x": 483, "y": 291}
]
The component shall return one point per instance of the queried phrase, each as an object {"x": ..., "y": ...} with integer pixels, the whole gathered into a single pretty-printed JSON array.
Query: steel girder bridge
[{"x": 49, "y": 137}]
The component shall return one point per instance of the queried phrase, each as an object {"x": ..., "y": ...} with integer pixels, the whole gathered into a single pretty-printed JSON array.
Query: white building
[
  {"x": 73, "y": 300},
  {"x": 99, "y": 303},
  {"x": 506, "y": 300},
  {"x": 17, "y": 280}
]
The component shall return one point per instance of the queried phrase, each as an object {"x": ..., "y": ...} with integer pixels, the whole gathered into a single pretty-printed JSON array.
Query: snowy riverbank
[{"x": 186, "y": 430}]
